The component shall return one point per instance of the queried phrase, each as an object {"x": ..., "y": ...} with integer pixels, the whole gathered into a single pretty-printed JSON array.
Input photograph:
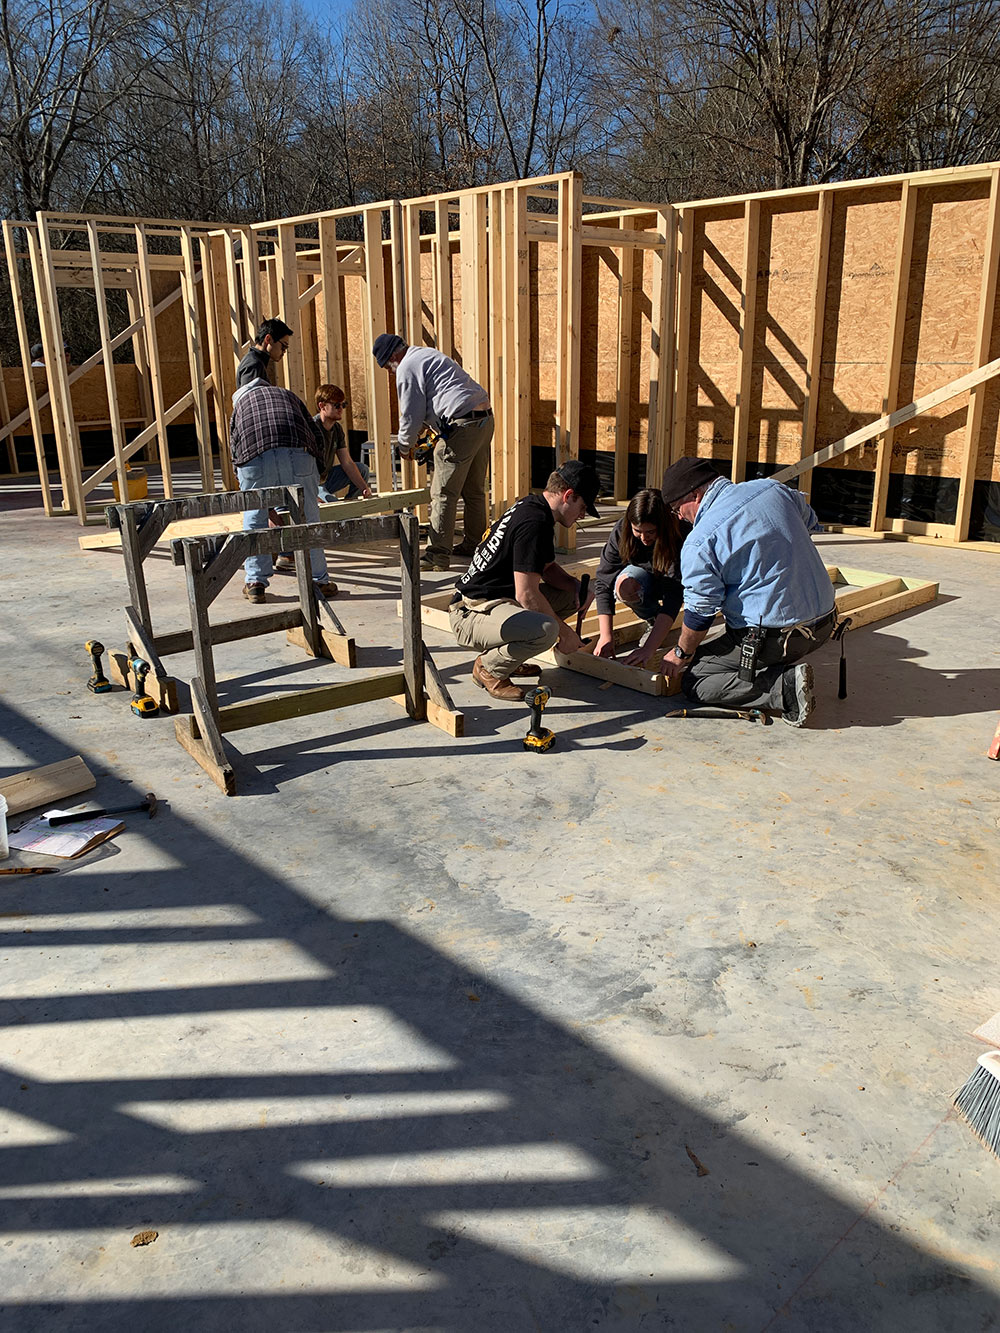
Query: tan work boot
[{"x": 495, "y": 685}]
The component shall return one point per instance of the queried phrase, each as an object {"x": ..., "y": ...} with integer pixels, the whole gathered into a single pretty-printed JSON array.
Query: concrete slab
[{"x": 658, "y": 1030}]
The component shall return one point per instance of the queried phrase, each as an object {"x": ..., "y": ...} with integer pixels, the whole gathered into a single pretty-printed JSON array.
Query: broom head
[{"x": 978, "y": 1101}]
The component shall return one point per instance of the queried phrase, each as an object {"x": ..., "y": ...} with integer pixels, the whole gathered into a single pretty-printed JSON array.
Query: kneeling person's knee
[{"x": 628, "y": 591}]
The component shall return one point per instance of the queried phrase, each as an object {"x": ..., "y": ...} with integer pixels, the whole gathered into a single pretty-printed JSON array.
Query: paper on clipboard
[{"x": 68, "y": 840}]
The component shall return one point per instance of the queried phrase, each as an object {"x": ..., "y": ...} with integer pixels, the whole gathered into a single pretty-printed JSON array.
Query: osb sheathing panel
[
  {"x": 599, "y": 341},
  {"x": 942, "y": 320},
  {"x": 351, "y": 381},
  {"x": 642, "y": 314},
  {"x": 784, "y": 310},
  {"x": 716, "y": 298},
  {"x": 858, "y": 324},
  {"x": 355, "y": 352},
  {"x": 171, "y": 337},
  {"x": 544, "y": 339},
  {"x": 604, "y": 357},
  {"x": 90, "y": 396},
  {"x": 939, "y": 335}
]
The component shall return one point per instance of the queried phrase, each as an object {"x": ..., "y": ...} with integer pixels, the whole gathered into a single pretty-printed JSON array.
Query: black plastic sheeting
[
  {"x": 839, "y": 495},
  {"x": 543, "y": 460},
  {"x": 984, "y": 525}
]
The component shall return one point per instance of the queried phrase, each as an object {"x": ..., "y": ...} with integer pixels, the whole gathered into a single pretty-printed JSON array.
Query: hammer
[
  {"x": 584, "y": 588},
  {"x": 149, "y": 803},
  {"x": 743, "y": 714}
]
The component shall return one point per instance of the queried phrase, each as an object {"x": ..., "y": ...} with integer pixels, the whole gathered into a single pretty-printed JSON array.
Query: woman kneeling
[{"x": 640, "y": 567}]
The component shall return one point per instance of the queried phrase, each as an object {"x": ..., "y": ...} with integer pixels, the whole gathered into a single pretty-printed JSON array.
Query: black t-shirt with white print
[{"x": 521, "y": 541}]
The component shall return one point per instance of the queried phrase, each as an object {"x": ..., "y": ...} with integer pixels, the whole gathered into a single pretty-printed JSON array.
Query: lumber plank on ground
[
  {"x": 46, "y": 785},
  {"x": 161, "y": 689},
  {"x": 336, "y": 646},
  {"x": 450, "y": 721}
]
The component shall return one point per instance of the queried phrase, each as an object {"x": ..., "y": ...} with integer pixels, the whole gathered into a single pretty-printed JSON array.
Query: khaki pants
[
  {"x": 460, "y": 466},
  {"x": 506, "y": 634}
]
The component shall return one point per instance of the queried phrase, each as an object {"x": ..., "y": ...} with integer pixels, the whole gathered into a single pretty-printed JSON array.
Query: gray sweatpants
[
  {"x": 713, "y": 676},
  {"x": 506, "y": 634}
]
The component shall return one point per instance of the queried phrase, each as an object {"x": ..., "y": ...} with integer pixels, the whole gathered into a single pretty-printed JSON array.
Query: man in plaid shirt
[{"x": 275, "y": 442}]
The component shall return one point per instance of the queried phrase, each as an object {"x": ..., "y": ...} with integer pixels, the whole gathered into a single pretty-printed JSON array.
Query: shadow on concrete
[
  {"x": 558, "y": 1194},
  {"x": 887, "y": 684}
]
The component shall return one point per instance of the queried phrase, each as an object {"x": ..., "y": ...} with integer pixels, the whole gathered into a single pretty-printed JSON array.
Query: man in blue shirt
[
  {"x": 750, "y": 556},
  {"x": 434, "y": 390}
]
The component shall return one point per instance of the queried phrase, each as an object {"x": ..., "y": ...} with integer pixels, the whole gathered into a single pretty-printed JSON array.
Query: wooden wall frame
[{"x": 777, "y": 331}]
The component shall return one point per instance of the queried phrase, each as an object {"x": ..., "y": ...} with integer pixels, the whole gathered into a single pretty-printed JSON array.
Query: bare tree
[{"x": 51, "y": 86}]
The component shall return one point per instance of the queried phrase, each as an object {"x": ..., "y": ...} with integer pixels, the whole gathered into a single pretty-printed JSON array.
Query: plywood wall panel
[
  {"x": 784, "y": 313},
  {"x": 715, "y": 317},
  {"x": 544, "y": 275},
  {"x": 862, "y": 280},
  {"x": 605, "y": 331}
]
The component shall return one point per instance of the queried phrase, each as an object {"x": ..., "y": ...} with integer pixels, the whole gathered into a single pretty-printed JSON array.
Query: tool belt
[{"x": 807, "y": 628}]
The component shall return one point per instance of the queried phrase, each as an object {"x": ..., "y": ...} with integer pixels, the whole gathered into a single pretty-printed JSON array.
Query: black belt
[
  {"x": 805, "y": 624},
  {"x": 470, "y": 416}
]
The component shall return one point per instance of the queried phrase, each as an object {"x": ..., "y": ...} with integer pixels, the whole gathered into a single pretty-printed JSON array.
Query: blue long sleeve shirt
[
  {"x": 433, "y": 388},
  {"x": 750, "y": 555}
]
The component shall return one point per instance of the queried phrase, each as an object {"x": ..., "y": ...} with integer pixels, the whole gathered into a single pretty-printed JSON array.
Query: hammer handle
[
  {"x": 584, "y": 588},
  {"x": 95, "y": 814}
]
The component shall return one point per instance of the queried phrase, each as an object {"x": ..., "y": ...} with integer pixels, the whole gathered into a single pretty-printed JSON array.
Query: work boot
[
  {"x": 496, "y": 685},
  {"x": 429, "y": 562},
  {"x": 327, "y": 589},
  {"x": 463, "y": 549},
  {"x": 254, "y": 592},
  {"x": 797, "y": 694},
  {"x": 285, "y": 563},
  {"x": 527, "y": 669}
]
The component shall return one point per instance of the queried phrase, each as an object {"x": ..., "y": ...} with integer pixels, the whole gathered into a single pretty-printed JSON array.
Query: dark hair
[
  {"x": 275, "y": 329},
  {"x": 648, "y": 507}
]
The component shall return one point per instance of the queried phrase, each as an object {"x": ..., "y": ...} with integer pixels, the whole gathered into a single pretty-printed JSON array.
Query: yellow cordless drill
[
  {"x": 98, "y": 683},
  {"x": 539, "y": 738},
  {"x": 143, "y": 704}
]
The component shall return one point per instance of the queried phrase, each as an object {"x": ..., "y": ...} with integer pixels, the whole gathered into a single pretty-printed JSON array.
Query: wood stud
[{"x": 229, "y": 277}]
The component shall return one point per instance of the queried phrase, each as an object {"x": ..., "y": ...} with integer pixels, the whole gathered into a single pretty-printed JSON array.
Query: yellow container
[{"x": 138, "y": 484}]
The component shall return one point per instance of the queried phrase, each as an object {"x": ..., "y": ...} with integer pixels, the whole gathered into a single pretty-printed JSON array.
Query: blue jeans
[
  {"x": 337, "y": 479},
  {"x": 280, "y": 467},
  {"x": 651, "y": 590}
]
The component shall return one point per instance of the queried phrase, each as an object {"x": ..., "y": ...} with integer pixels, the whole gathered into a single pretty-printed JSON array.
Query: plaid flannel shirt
[{"x": 268, "y": 417}]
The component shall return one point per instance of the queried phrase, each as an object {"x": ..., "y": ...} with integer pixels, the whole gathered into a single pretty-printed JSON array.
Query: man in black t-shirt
[{"x": 511, "y": 601}]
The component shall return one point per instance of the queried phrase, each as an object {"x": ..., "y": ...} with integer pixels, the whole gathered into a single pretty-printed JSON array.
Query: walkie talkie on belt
[{"x": 750, "y": 651}]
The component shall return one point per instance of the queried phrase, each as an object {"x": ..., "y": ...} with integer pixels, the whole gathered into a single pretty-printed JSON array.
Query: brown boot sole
[{"x": 503, "y": 690}]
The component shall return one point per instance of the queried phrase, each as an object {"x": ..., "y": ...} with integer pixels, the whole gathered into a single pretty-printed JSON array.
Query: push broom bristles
[{"x": 978, "y": 1101}]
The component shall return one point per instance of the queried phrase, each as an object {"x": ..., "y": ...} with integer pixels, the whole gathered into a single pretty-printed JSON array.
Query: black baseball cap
[
  {"x": 685, "y": 476},
  {"x": 582, "y": 478}
]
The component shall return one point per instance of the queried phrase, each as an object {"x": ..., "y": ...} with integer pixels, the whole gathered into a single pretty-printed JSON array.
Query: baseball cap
[
  {"x": 582, "y": 478},
  {"x": 686, "y": 475}
]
